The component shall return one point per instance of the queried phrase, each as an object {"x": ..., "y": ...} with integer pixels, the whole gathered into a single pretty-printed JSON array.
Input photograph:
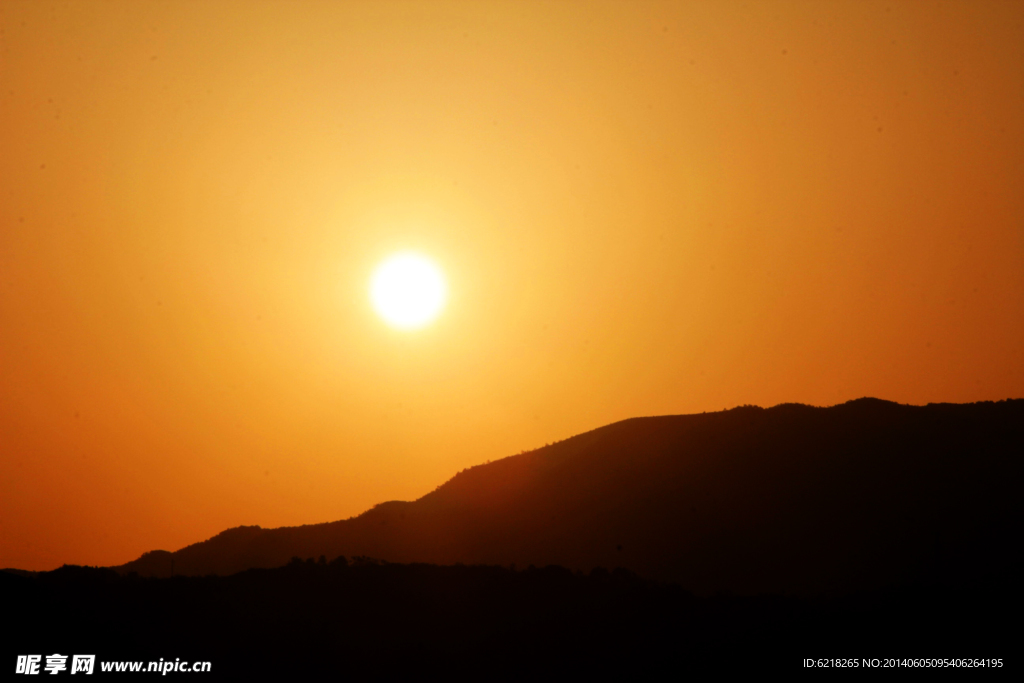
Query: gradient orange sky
[{"x": 641, "y": 208}]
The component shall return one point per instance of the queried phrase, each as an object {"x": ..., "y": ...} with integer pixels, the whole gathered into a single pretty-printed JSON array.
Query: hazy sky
[{"x": 640, "y": 208}]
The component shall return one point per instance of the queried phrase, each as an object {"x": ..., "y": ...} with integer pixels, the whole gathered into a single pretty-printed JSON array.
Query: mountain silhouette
[{"x": 791, "y": 499}]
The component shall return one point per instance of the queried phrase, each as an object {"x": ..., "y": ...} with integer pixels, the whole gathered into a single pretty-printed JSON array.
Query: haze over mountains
[{"x": 792, "y": 499}]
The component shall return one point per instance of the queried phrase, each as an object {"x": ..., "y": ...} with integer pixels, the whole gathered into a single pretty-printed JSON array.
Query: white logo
[{"x": 55, "y": 663}]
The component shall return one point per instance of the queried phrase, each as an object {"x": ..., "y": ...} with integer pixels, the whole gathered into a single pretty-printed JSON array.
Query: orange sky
[{"x": 641, "y": 208}]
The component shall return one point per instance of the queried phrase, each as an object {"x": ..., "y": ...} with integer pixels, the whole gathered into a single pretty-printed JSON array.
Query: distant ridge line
[{"x": 792, "y": 498}]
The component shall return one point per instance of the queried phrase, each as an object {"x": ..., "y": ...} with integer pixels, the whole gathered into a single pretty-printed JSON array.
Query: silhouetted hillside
[{"x": 790, "y": 499}]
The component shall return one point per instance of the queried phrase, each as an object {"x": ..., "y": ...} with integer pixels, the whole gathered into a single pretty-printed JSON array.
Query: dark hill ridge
[{"x": 787, "y": 499}]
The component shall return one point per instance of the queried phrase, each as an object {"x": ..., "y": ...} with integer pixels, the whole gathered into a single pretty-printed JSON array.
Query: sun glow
[{"x": 408, "y": 291}]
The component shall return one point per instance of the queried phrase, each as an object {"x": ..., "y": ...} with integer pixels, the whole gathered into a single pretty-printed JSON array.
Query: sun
[{"x": 408, "y": 290}]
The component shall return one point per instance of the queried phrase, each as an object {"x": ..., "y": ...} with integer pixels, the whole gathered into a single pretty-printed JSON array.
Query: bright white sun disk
[{"x": 408, "y": 290}]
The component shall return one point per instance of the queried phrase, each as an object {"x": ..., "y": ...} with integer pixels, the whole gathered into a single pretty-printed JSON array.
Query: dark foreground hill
[
  {"x": 791, "y": 499},
  {"x": 365, "y": 621}
]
